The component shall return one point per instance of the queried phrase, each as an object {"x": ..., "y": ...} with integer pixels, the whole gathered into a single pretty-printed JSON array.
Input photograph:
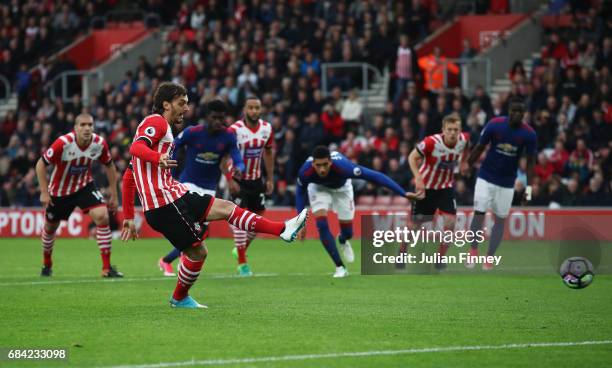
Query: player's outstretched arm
[
  {"x": 41, "y": 174},
  {"x": 379, "y": 179},
  {"x": 128, "y": 193}
]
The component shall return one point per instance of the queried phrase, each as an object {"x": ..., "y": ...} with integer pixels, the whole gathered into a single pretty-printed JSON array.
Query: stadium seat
[
  {"x": 383, "y": 200},
  {"x": 365, "y": 200},
  {"x": 400, "y": 201}
]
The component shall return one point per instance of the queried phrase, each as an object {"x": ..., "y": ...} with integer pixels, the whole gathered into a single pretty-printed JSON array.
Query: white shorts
[
  {"x": 495, "y": 197},
  {"x": 338, "y": 200},
  {"x": 194, "y": 188}
]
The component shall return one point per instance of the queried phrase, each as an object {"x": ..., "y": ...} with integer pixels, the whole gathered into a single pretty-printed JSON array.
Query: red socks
[
  {"x": 240, "y": 240},
  {"x": 249, "y": 221},
  {"x": 104, "y": 236},
  {"x": 47, "y": 240},
  {"x": 188, "y": 272}
]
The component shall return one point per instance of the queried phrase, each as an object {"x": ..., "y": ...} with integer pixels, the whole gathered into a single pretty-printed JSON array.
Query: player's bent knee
[
  {"x": 320, "y": 213},
  {"x": 220, "y": 209},
  {"x": 99, "y": 215},
  {"x": 51, "y": 226},
  {"x": 197, "y": 252}
]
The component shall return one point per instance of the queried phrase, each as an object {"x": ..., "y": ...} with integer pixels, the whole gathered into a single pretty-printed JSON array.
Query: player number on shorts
[
  {"x": 98, "y": 195},
  {"x": 263, "y": 198}
]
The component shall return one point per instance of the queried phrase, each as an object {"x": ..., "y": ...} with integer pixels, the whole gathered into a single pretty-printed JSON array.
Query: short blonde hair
[{"x": 451, "y": 118}]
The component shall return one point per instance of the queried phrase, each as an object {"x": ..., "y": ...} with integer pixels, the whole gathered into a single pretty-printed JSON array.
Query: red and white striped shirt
[
  {"x": 156, "y": 186},
  {"x": 440, "y": 161},
  {"x": 72, "y": 162},
  {"x": 403, "y": 64},
  {"x": 251, "y": 143}
]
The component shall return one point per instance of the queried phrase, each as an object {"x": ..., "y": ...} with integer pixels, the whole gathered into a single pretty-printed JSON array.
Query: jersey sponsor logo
[
  {"x": 506, "y": 149},
  {"x": 78, "y": 170},
  {"x": 357, "y": 171},
  {"x": 207, "y": 158},
  {"x": 50, "y": 152},
  {"x": 252, "y": 153},
  {"x": 447, "y": 165},
  {"x": 150, "y": 131}
]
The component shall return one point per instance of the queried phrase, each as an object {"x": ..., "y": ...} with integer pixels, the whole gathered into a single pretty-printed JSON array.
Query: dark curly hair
[{"x": 167, "y": 92}]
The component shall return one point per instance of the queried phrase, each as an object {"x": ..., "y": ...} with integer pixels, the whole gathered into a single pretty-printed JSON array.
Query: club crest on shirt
[{"x": 150, "y": 131}]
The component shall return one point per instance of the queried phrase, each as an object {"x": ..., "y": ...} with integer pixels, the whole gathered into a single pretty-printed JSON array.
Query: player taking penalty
[
  {"x": 169, "y": 207},
  {"x": 206, "y": 145},
  {"x": 71, "y": 185},
  {"x": 434, "y": 178},
  {"x": 509, "y": 138}
]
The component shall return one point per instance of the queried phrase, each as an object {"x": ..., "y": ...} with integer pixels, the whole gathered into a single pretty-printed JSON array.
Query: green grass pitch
[{"x": 293, "y": 314}]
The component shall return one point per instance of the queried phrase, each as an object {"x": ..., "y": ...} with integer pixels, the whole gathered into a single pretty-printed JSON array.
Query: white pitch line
[{"x": 440, "y": 349}]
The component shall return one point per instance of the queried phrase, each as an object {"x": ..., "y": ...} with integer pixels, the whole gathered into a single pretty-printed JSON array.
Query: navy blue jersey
[
  {"x": 507, "y": 146},
  {"x": 341, "y": 170},
  {"x": 204, "y": 154}
]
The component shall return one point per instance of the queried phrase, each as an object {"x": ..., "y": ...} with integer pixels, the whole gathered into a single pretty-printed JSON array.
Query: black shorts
[
  {"x": 252, "y": 195},
  {"x": 86, "y": 198},
  {"x": 435, "y": 199},
  {"x": 182, "y": 221}
]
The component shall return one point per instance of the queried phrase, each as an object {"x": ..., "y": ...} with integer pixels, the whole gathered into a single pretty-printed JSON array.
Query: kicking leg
[{"x": 220, "y": 209}]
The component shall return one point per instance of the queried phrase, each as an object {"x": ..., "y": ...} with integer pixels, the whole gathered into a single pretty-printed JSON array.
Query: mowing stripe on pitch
[
  {"x": 126, "y": 280},
  {"x": 439, "y": 349}
]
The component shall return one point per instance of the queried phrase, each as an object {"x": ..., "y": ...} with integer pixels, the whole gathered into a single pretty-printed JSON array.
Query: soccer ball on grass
[{"x": 577, "y": 272}]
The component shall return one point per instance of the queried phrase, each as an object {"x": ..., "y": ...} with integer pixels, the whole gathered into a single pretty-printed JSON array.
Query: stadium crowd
[{"x": 275, "y": 51}]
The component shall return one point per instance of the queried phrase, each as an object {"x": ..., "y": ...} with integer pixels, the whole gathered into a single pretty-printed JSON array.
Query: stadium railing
[
  {"x": 470, "y": 75},
  {"x": 5, "y": 92},
  {"x": 74, "y": 81},
  {"x": 351, "y": 73}
]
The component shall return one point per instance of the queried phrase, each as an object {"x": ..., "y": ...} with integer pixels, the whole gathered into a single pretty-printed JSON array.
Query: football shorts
[{"x": 339, "y": 200}]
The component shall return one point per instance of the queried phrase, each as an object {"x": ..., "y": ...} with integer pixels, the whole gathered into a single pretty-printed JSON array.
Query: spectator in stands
[
  {"x": 435, "y": 67},
  {"x": 333, "y": 125},
  {"x": 544, "y": 169},
  {"x": 559, "y": 157},
  {"x": 467, "y": 51},
  {"x": 352, "y": 110},
  {"x": 234, "y": 52},
  {"x": 580, "y": 161},
  {"x": 406, "y": 67},
  {"x": 311, "y": 135}
]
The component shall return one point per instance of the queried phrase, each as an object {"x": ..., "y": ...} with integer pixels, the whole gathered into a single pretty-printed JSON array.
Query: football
[{"x": 577, "y": 272}]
